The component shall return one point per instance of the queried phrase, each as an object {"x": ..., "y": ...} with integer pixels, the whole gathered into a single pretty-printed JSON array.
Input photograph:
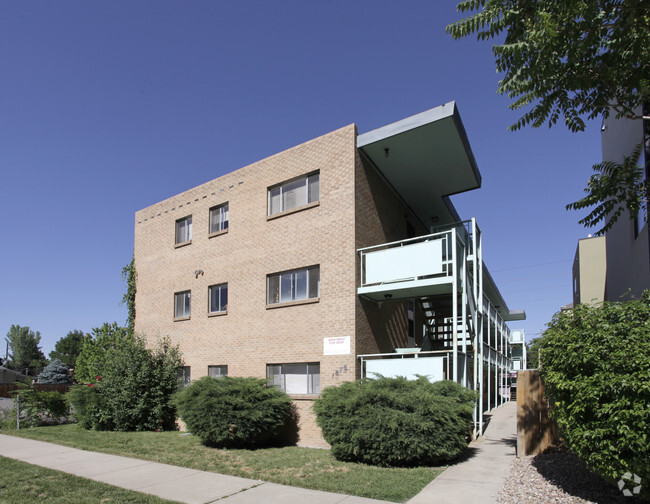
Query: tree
[
  {"x": 26, "y": 355},
  {"x": 596, "y": 371},
  {"x": 55, "y": 372},
  {"x": 568, "y": 60},
  {"x": 532, "y": 352},
  {"x": 95, "y": 348},
  {"x": 129, "y": 275},
  {"x": 614, "y": 187},
  {"x": 68, "y": 348},
  {"x": 133, "y": 387}
]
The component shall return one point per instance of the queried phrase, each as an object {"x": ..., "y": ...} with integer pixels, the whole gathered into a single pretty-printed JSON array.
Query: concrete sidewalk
[
  {"x": 478, "y": 479},
  {"x": 486, "y": 463}
]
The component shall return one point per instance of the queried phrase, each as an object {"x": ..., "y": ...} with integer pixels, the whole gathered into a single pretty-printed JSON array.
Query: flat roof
[{"x": 425, "y": 158}]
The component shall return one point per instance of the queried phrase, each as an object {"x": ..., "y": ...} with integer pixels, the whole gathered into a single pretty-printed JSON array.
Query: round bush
[
  {"x": 233, "y": 412},
  {"x": 595, "y": 363},
  {"x": 396, "y": 422}
]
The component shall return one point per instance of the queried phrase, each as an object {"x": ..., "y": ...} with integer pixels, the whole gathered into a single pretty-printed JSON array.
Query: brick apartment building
[{"x": 265, "y": 271}]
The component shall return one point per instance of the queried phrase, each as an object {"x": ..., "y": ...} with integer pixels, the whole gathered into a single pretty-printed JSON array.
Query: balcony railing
[{"x": 420, "y": 258}]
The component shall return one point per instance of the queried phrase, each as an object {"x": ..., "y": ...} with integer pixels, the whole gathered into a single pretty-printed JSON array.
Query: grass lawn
[
  {"x": 301, "y": 467},
  {"x": 23, "y": 483}
]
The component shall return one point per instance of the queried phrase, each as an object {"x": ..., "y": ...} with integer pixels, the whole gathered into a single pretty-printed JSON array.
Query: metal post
[
  {"x": 454, "y": 294},
  {"x": 489, "y": 364},
  {"x": 463, "y": 312},
  {"x": 17, "y": 411}
]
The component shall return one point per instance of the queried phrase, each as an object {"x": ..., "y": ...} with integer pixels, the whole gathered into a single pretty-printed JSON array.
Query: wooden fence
[
  {"x": 535, "y": 430},
  {"x": 6, "y": 389}
]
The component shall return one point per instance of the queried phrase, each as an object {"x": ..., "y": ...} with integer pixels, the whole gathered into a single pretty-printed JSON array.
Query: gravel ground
[{"x": 557, "y": 478}]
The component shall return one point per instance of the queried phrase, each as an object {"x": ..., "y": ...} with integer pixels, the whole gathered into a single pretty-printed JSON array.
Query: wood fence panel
[
  {"x": 535, "y": 430},
  {"x": 7, "y": 388}
]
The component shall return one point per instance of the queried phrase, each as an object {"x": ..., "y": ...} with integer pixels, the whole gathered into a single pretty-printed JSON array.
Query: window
[
  {"x": 217, "y": 371},
  {"x": 184, "y": 376},
  {"x": 295, "y": 285},
  {"x": 295, "y": 193},
  {"x": 184, "y": 230},
  {"x": 218, "y": 298},
  {"x": 182, "y": 304},
  {"x": 219, "y": 218},
  {"x": 295, "y": 378}
]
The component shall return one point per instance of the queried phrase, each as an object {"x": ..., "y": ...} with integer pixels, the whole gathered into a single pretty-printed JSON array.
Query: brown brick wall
[
  {"x": 250, "y": 336},
  {"x": 380, "y": 218},
  {"x": 356, "y": 209}
]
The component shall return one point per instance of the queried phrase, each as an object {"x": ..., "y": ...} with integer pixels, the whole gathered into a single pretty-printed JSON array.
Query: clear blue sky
[{"x": 109, "y": 107}]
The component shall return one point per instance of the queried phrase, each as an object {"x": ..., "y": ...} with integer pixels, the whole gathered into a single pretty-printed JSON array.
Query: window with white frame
[
  {"x": 217, "y": 371},
  {"x": 219, "y": 218},
  {"x": 184, "y": 230},
  {"x": 300, "y": 379},
  {"x": 218, "y": 298},
  {"x": 294, "y": 285},
  {"x": 294, "y": 193},
  {"x": 182, "y": 304},
  {"x": 184, "y": 376}
]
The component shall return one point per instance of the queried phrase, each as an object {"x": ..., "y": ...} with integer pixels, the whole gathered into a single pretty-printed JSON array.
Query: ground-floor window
[
  {"x": 184, "y": 376},
  {"x": 217, "y": 371},
  {"x": 303, "y": 378}
]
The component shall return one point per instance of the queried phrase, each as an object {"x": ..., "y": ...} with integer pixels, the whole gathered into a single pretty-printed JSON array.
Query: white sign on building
[{"x": 336, "y": 346}]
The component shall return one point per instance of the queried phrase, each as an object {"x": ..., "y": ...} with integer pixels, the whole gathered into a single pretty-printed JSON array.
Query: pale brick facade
[
  {"x": 252, "y": 334},
  {"x": 370, "y": 188}
]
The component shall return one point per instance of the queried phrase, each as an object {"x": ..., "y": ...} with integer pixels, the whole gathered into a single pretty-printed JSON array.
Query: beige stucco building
[
  {"x": 327, "y": 261},
  {"x": 616, "y": 266}
]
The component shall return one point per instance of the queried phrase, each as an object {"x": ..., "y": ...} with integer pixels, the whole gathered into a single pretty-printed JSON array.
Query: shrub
[
  {"x": 396, "y": 422},
  {"x": 55, "y": 372},
  {"x": 595, "y": 363},
  {"x": 40, "y": 407},
  {"x": 132, "y": 389},
  {"x": 233, "y": 412}
]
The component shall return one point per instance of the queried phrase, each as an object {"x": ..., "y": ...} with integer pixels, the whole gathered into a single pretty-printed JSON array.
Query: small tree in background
[
  {"x": 68, "y": 348},
  {"x": 95, "y": 348},
  {"x": 26, "y": 355},
  {"x": 595, "y": 363},
  {"x": 132, "y": 387},
  {"x": 55, "y": 372}
]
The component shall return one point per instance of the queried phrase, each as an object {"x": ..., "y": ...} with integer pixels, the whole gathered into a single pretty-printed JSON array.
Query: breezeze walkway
[{"x": 477, "y": 479}]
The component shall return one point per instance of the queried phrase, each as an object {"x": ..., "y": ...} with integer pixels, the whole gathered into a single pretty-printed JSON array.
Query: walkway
[
  {"x": 477, "y": 479},
  {"x": 480, "y": 476}
]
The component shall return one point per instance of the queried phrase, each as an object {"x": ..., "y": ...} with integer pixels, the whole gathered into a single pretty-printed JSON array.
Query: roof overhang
[
  {"x": 495, "y": 297},
  {"x": 425, "y": 158}
]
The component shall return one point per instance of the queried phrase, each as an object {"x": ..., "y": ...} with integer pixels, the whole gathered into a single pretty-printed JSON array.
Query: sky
[{"x": 109, "y": 107}]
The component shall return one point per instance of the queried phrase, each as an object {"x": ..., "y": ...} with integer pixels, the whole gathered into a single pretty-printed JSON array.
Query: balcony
[{"x": 415, "y": 267}]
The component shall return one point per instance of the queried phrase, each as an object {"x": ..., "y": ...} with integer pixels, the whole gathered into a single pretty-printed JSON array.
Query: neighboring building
[
  {"x": 617, "y": 265},
  {"x": 11, "y": 376},
  {"x": 334, "y": 259},
  {"x": 590, "y": 270}
]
